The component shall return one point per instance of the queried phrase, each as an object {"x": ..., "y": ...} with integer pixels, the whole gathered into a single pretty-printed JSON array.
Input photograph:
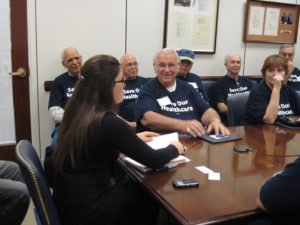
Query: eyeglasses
[
  {"x": 133, "y": 64},
  {"x": 123, "y": 81},
  {"x": 287, "y": 54},
  {"x": 171, "y": 66},
  {"x": 69, "y": 60}
]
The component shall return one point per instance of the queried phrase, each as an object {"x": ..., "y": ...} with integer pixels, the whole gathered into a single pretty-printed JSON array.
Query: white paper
[
  {"x": 158, "y": 142},
  {"x": 256, "y": 20},
  {"x": 163, "y": 141},
  {"x": 180, "y": 158},
  {"x": 201, "y": 29},
  {"x": 204, "y": 169},
  {"x": 214, "y": 176},
  {"x": 271, "y": 22},
  {"x": 211, "y": 174}
]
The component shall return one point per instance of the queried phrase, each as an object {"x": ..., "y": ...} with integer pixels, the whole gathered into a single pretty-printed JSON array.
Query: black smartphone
[{"x": 184, "y": 183}]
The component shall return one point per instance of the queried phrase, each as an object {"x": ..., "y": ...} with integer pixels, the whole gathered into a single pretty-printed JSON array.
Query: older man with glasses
[
  {"x": 63, "y": 86},
  {"x": 133, "y": 84},
  {"x": 293, "y": 77},
  {"x": 169, "y": 104}
]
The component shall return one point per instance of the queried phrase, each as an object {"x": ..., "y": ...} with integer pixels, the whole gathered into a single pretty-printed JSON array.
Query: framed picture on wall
[
  {"x": 271, "y": 22},
  {"x": 191, "y": 24}
]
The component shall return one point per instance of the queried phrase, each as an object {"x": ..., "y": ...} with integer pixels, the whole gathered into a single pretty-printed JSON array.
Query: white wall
[{"x": 105, "y": 27}]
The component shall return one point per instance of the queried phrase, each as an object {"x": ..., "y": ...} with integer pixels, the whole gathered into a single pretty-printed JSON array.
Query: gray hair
[
  {"x": 168, "y": 51},
  {"x": 286, "y": 46},
  {"x": 228, "y": 56},
  {"x": 123, "y": 57},
  {"x": 66, "y": 49}
]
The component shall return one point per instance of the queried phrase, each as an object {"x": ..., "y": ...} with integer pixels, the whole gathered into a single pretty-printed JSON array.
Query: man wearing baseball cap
[{"x": 186, "y": 58}]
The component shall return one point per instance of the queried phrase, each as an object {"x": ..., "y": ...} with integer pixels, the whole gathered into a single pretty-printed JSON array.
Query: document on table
[{"x": 158, "y": 142}]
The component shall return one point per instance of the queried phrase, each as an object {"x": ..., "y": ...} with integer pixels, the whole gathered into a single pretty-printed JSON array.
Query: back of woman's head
[
  {"x": 92, "y": 97},
  {"x": 98, "y": 75},
  {"x": 275, "y": 61}
]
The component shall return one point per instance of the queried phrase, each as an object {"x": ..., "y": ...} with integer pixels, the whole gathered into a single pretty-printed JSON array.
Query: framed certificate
[
  {"x": 271, "y": 22},
  {"x": 191, "y": 24}
]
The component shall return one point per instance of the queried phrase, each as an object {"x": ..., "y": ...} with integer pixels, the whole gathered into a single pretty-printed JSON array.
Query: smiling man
[
  {"x": 169, "y": 104},
  {"x": 231, "y": 84}
]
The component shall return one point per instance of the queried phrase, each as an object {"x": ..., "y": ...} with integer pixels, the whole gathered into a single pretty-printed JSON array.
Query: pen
[{"x": 165, "y": 168}]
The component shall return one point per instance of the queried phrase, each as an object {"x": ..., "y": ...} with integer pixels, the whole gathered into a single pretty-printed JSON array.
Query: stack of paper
[{"x": 158, "y": 142}]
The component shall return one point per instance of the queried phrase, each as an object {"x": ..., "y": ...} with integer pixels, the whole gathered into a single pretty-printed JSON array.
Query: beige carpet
[{"x": 29, "y": 218}]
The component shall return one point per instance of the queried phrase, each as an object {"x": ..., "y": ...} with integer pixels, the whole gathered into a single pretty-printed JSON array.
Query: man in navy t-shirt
[
  {"x": 62, "y": 88},
  {"x": 186, "y": 58},
  {"x": 231, "y": 84},
  {"x": 293, "y": 77},
  {"x": 169, "y": 104},
  {"x": 133, "y": 83}
]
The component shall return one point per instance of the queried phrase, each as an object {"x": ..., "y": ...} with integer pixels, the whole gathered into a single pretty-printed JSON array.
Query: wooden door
[{"x": 19, "y": 55}]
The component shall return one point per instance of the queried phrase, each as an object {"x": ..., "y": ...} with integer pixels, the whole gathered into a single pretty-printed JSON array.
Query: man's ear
[
  {"x": 154, "y": 68},
  {"x": 63, "y": 63}
]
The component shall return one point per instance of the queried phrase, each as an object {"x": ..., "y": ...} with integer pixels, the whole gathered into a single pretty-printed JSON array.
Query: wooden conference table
[{"x": 242, "y": 174}]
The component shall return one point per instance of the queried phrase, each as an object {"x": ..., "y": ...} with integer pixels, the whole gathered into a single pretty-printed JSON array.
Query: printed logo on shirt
[
  {"x": 69, "y": 92},
  {"x": 285, "y": 109},
  {"x": 234, "y": 91},
  {"x": 131, "y": 94},
  {"x": 294, "y": 78},
  {"x": 163, "y": 101},
  {"x": 177, "y": 107}
]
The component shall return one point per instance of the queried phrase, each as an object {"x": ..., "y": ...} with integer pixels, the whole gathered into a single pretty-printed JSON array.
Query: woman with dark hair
[
  {"x": 271, "y": 98},
  {"x": 89, "y": 141}
]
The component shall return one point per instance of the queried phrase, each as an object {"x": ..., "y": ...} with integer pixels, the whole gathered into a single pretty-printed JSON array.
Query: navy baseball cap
[{"x": 185, "y": 54}]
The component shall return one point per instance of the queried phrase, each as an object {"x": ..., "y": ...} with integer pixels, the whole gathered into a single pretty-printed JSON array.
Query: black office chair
[
  {"x": 207, "y": 88},
  {"x": 33, "y": 174},
  {"x": 236, "y": 108},
  {"x": 298, "y": 95}
]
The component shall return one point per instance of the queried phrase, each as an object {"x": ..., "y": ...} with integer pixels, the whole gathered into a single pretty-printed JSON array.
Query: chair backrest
[
  {"x": 236, "y": 108},
  {"x": 207, "y": 88},
  {"x": 298, "y": 95},
  {"x": 33, "y": 174}
]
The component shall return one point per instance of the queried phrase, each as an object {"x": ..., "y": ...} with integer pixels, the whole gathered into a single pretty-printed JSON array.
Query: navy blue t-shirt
[
  {"x": 131, "y": 91},
  {"x": 294, "y": 79},
  {"x": 259, "y": 99},
  {"x": 226, "y": 86},
  {"x": 184, "y": 103},
  {"x": 281, "y": 194},
  {"x": 62, "y": 89},
  {"x": 196, "y": 82}
]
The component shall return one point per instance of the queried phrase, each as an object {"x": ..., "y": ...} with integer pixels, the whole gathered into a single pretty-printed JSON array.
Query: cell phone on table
[{"x": 185, "y": 183}]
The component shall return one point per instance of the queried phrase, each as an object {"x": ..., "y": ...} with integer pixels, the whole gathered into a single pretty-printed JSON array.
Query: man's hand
[
  {"x": 291, "y": 66},
  {"x": 218, "y": 128},
  {"x": 147, "y": 136},
  {"x": 192, "y": 127}
]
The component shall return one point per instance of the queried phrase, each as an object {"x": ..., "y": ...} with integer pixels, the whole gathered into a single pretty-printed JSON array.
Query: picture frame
[
  {"x": 191, "y": 24},
  {"x": 271, "y": 22}
]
